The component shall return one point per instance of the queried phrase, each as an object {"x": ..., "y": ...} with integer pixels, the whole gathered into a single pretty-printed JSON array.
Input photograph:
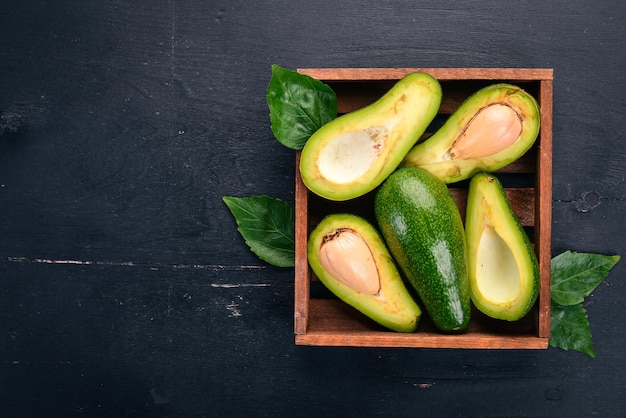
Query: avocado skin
[{"x": 424, "y": 232}]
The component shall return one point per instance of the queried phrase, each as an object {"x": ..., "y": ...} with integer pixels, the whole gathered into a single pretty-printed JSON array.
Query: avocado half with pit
[
  {"x": 490, "y": 129},
  {"x": 349, "y": 257},
  {"x": 352, "y": 154},
  {"x": 502, "y": 265}
]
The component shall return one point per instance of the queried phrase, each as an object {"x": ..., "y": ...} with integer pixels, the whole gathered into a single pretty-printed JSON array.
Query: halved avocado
[
  {"x": 352, "y": 154},
  {"x": 503, "y": 268},
  {"x": 350, "y": 258},
  {"x": 492, "y": 128}
]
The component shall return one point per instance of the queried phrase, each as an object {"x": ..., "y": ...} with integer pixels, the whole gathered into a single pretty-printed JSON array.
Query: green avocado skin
[{"x": 424, "y": 232}]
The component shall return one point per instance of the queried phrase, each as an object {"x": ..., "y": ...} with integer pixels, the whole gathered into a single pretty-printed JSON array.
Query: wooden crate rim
[{"x": 442, "y": 74}]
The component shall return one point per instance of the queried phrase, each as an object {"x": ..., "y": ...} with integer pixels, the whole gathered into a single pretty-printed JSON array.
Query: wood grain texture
[
  {"x": 543, "y": 216},
  {"x": 302, "y": 278},
  {"x": 126, "y": 289},
  {"x": 332, "y": 323},
  {"x": 443, "y": 74}
]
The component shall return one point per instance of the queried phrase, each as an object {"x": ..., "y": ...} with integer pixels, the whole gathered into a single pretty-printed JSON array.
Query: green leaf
[
  {"x": 268, "y": 227},
  {"x": 576, "y": 275},
  {"x": 569, "y": 329},
  {"x": 299, "y": 106}
]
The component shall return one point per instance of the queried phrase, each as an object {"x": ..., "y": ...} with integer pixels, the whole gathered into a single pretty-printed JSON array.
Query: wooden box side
[
  {"x": 543, "y": 222},
  {"x": 302, "y": 271},
  {"x": 330, "y": 322}
]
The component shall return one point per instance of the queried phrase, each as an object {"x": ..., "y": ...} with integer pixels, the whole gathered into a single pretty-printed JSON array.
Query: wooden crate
[{"x": 323, "y": 320}]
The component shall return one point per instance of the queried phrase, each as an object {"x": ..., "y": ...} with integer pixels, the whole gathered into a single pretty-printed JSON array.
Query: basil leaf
[
  {"x": 268, "y": 227},
  {"x": 299, "y": 106},
  {"x": 576, "y": 275},
  {"x": 569, "y": 329}
]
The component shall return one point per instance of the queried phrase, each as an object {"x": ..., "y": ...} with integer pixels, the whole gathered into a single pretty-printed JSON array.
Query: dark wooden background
[{"x": 125, "y": 289}]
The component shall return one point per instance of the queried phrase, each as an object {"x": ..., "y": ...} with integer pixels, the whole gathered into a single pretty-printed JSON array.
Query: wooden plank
[
  {"x": 455, "y": 91},
  {"x": 302, "y": 280},
  {"x": 543, "y": 243},
  {"x": 334, "y": 323},
  {"x": 522, "y": 201},
  {"x": 442, "y": 74},
  {"x": 397, "y": 340}
]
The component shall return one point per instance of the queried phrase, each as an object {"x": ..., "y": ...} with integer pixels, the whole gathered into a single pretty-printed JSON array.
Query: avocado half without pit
[
  {"x": 492, "y": 128},
  {"x": 352, "y": 154},
  {"x": 502, "y": 266},
  {"x": 349, "y": 257}
]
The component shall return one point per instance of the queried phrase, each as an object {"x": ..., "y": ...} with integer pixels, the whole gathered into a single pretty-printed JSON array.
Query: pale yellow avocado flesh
[
  {"x": 347, "y": 157},
  {"x": 497, "y": 269}
]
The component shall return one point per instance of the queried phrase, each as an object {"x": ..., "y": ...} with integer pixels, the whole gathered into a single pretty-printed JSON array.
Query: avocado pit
[
  {"x": 345, "y": 255},
  {"x": 492, "y": 129}
]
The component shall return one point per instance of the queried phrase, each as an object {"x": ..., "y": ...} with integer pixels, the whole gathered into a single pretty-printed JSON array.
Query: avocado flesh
[
  {"x": 492, "y": 128},
  {"x": 422, "y": 227},
  {"x": 350, "y": 258},
  {"x": 352, "y": 154},
  {"x": 503, "y": 268}
]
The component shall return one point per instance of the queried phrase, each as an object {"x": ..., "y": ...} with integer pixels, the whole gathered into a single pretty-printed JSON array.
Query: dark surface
[{"x": 125, "y": 289}]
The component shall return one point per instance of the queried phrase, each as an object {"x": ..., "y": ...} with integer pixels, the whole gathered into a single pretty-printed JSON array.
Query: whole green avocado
[{"x": 424, "y": 232}]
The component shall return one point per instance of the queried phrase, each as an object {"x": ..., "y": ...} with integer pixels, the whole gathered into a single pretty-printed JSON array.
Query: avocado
[
  {"x": 350, "y": 258},
  {"x": 352, "y": 154},
  {"x": 423, "y": 229},
  {"x": 503, "y": 268},
  {"x": 490, "y": 129}
]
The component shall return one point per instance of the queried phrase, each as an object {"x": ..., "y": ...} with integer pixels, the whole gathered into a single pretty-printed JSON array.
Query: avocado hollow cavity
[
  {"x": 352, "y": 154},
  {"x": 348, "y": 255},
  {"x": 347, "y": 157},
  {"x": 490, "y": 129},
  {"x": 497, "y": 268}
]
